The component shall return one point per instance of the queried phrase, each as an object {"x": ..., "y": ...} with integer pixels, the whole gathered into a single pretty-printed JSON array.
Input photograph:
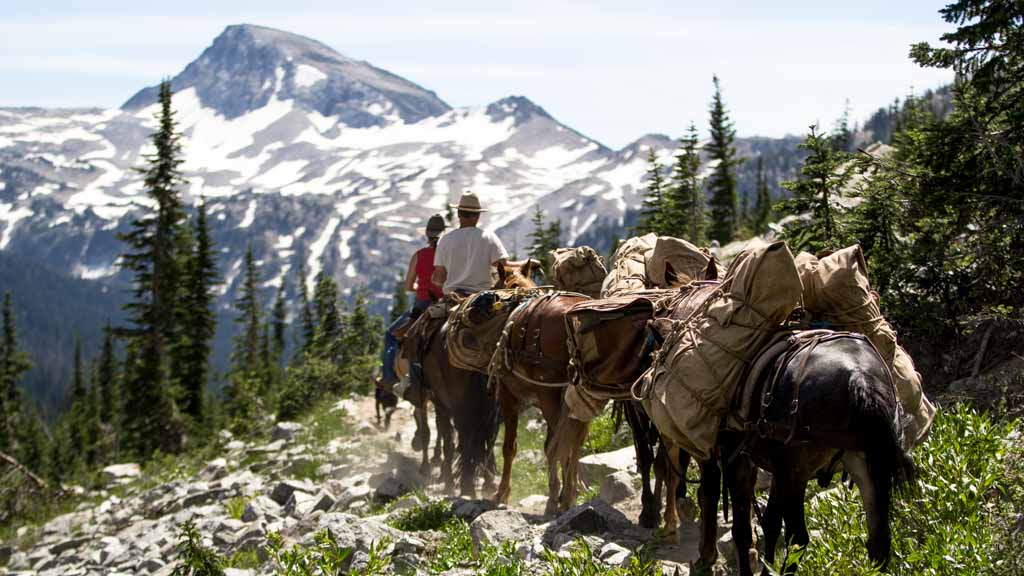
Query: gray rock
[
  {"x": 6, "y": 551},
  {"x": 594, "y": 517},
  {"x": 260, "y": 507},
  {"x": 595, "y": 467},
  {"x": 214, "y": 470},
  {"x": 617, "y": 487},
  {"x": 205, "y": 498},
  {"x": 469, "y": 510},
  {"x": 283, "y": 490},
  {"x": 497, "y": 526},
  {"x": 150, "y": 565},
  {"x": 534, "y": 502},
  {"x": 364, "y": 429},
  {"x": 286, "y": 431},
  {"x": 392, "y": 488},
  {"x": 71, "y": 544},
  {"x": 615, "y": 555},
  {"x": 18, "y": 561},
  {"x": 121, "y": 473}
]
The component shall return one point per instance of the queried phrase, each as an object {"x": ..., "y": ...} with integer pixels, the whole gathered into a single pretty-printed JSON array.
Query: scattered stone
[
  {"x": 214, "y": 470},
  {"x": 669, "y": 568},
  {"x": 286, "y": 431},
  {"x": 405, "y": 504},
  {"x": 497, "y": 526},
  {"x": 595, "y": 467},
  {"x": 284, "y": 489},
  {"x": 71, "y": 544},
  {"x": 392, "y": 488},
  {"x": 18, "y": 561},
  {"x": 205, "y": 497},
  {"x": 617, "y": 487},
  {"x": 469, "y": 510},
  {"x": 594, "y": 517},
  {"x": 534, "y": 502},
  {"x": 121, "y": 473},
  {"x": 615, "y": 555},
  {"x": 535, "y": 426},
  {"x": 364, "y": 429}
]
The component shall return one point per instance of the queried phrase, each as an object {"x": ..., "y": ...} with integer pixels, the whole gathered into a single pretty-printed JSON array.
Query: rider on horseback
[{"x": 464, "y": 257}]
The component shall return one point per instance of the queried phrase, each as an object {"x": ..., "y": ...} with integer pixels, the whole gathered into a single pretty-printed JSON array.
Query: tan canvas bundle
[
  {"x": 838, "y": 294},
  {"x": 578, "y": 270},
  {"x": 472, "y": 343},
  {"x": 628, "y": 271},
  {"x": 687, "y": 262},
  {"x": 694, "y": 377}
]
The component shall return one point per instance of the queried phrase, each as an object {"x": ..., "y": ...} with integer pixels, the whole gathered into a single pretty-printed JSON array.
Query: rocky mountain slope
[
  {"x": 306, "y": 153},
  {"x": 337, "y": 471}
]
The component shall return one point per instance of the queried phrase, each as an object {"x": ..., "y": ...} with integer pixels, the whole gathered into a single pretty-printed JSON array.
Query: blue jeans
[{"x": 388, "y": 376}]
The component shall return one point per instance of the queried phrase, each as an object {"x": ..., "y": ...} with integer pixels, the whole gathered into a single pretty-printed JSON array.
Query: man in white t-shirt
[{"x": 464, "y": 256}]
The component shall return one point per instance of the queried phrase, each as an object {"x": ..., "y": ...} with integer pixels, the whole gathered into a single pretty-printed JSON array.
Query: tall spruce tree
[
  {"x": 106, "y": 378},
  {"x": 544, "y": 238},
  {"x": 722, "y": 181},
  {"x": 685, "y": 201},
  {"x": 824, "y": 174},
  {"x": 247, "y": 355},
  {"x": 152, "y": 420},
  {"x": 307, "y": 321},
  {"x": 651, "y": 211},
  {"x": 763, "y": 205},
  {"x": 327, "y": 342},
  {"x": 279, "y": 325},
  {"x": 13, "y": 365},
  {"x": 199, "y": 322},
  {"x": 399, "y": 301}
]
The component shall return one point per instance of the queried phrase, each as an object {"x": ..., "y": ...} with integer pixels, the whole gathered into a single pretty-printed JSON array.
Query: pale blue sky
[{"x": 613, "y": 70}]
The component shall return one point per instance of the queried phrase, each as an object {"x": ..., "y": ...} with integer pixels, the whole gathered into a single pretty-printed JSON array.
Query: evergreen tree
[
  {"x": 199, "y": 322},
  {"x": 327, "y": 341},
  {"x": 106, "y": 378},
  {"x": 399, "y": 301},
  {"x": 651, "y": 215},
  {"x": 824, "y": 174},
  {"x": 722, "y": 182},
  {"x": 684, "y": 213},
  {"x": 247, "y": 355},
  {"x": 76, "y": 417},
  {"x": 152, "y": 421},
  {"x": 13, "y": 365},
  {"x": 306, "y": 318},
  {"x": 763, "y": 206},
  {"x": 544, "y": 238},
  {"x": 278, "y": 321},
  {"x": 78, "y": 390}
]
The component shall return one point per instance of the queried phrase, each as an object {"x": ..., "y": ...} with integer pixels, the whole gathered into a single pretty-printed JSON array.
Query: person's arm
[
  {"x": 498, "y": 253},
  {"x": 410, "y": 274},
  {"x": 439, "y": 276}
]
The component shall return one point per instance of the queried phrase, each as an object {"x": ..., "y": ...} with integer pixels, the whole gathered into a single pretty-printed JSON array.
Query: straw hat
[{"x": 469, "y": 203}]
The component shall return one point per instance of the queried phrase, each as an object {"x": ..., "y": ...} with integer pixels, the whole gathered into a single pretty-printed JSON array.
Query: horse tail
[
  {"x": 876, "y": 418},
  {"x": 477, "y": 426},
  {"x": 565, "y": 442}
]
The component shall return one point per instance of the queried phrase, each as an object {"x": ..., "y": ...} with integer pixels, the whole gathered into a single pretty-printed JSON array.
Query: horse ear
[
  {"x": 671, "y": 278},
  {"x": 711, "y": 272},
  {"x": 528, "y": 267},
  {"x": 502, "y": 273}
]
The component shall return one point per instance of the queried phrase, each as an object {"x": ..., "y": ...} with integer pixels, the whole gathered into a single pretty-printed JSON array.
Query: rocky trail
[{"x": 343, "y": 472}]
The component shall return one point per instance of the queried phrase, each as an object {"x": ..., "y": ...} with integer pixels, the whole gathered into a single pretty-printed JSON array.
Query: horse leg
[
  {"x": 772, "y": 521},
  {"x": 793, "y": 513},
  {"x": 421, "y": 439},
  {"x": 672, "y": 465},
  {"x": 438, "y": 446},
  {"x": 644, "y": 461},
  {"x": 710, "y": 484},
  {"x": 510, "y": 416},
  {"x": 875, "y": 493},
  {"x": 445, "y": 438},
  {"x": 550, "y": 403},
  {"x": 740, "y": 476}
]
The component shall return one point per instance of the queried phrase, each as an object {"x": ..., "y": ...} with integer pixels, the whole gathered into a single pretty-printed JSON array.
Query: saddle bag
[
  {"x": 686, "y": 262},
  {"x": 475, "y": 326},
  {"x": 578, "y": 270},
  {"x": 691, "y": 384},
  {"x": 629, "y": 266}
]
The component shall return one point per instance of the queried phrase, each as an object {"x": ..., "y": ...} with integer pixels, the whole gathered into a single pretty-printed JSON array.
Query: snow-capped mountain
[{"x": 302, "y": 152}]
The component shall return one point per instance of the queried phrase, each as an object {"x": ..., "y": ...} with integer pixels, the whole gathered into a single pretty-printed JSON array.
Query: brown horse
[{"x": 530, "y": 367}]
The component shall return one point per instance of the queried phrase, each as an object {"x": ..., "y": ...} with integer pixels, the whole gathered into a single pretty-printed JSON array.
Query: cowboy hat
[{"x": 468, "y": 203}]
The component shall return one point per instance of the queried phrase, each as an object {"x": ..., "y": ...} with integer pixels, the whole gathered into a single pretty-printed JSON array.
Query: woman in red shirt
[{"x": 417, "y": 279}]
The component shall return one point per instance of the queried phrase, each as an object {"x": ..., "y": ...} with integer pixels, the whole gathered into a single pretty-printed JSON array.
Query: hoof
[
  {"x": 665, "y": 532},
  {"x": 648, "y": 520}
]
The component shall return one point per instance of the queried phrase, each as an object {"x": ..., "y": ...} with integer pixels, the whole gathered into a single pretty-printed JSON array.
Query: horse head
[{"x": 518, "y": 274}]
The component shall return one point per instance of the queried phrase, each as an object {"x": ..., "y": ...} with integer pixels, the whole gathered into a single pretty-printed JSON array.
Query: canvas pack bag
[
  {"x": 692, "y": 382},
  {"x": 628, "y": 269},
  {"x": 837, "y": 293},
  {"x": 686, "y": 262},
  {"x": 475, "y": 326},
  {"x": 578, "y": 270}
]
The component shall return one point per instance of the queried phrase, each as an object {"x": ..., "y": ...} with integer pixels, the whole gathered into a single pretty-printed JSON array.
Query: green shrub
[
  {"x": 581, "y": 562},
  {"x": 236, "y": 507},
  {"x": 196, "y": 559},
  {"x": 606, "y": 433},
  {"x": 426, "y": 516},
  {"x": 456, "y": 550}
]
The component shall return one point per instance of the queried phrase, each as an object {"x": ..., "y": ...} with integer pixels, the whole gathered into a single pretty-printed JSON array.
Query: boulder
[
  {"x": 284, "y": 489},
  {"x": 534, "y": 502},
  {"x": 214, "y": 470},
  {"x": 593, "y": 518},
  {"x": 595, "y": 467},
  {"x": 121, "y": 473},
  {"x": 615, "y": 555},
  {"x": 69, "y": 544},
  {"x": 205, "y": 498},
  {"x": 260, "y": 507},
  {"x": 469, "y": 510},
  {"x": 497, "y": 526},
  {"x": 286, "y": 431},
  {"x": 617, "y": 487}
]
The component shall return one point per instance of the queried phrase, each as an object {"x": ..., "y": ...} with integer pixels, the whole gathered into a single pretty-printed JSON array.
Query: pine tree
[
  {"x": 722, "y": 182},
  {"x": 544, "y": 238},
  {"x": 278, "y": 321},
  {"x": 327, "y": 341},
  {"x": 199, "y": 322},
  {"x": 399, "y": 301},
  {"x": 152, "y": 421},
  {"x": 306, "y": 318},
  {"x": 246, "y": 357},
  {"x": 823, "y": 177},
  {"x": 76, "y": 416},
  {"x": 763, "y": 206},
  {"x": 106, "y": 378},
  {"x": 13, "y": 365},
  {"x": 685, "y": 198},
  {"x": 651, "y": 216}
]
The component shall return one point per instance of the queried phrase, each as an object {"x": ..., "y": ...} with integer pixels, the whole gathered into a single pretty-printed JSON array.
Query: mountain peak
[
  {"x": 519, "y": 107},
  {"x": 248, "y": 65}
]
